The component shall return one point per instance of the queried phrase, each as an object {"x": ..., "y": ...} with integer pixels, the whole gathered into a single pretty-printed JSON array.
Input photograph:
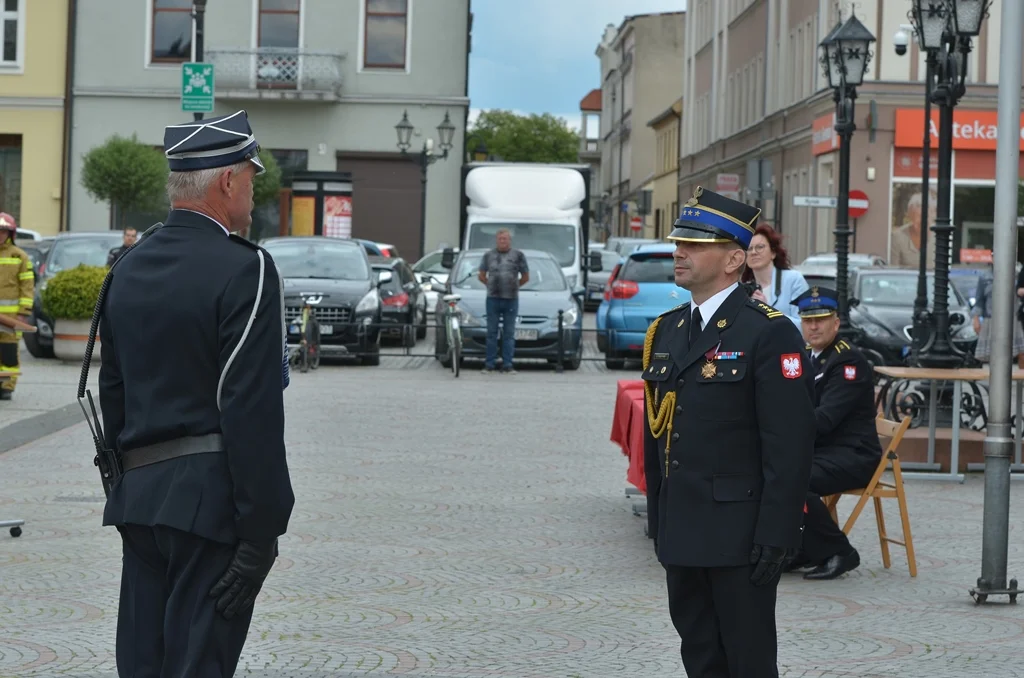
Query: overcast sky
[{"x": 537, "y": 56}]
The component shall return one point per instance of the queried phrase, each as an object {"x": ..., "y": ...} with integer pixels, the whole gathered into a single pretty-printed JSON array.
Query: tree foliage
[
  {"x": 524, "y": 138},
  {"x": 126, "y": 173},
  {"x": 267, "y": 186}
]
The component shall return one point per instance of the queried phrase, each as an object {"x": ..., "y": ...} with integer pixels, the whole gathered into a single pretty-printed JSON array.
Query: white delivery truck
[{"x": 544, "y": 206}]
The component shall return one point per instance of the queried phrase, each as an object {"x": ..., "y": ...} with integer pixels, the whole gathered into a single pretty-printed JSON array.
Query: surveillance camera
[{"x": 900, "y": 41}]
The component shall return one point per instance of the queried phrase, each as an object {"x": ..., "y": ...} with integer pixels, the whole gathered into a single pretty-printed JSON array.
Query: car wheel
[
  {"x": 576, "y": 360},
  {"x": 35, "y": 349},
  {"x": 421, "y": 330},
  {"x": 612, "y": 361},
  {"x": 602, "y": 342},
  {"x": 372, "y": 357}
]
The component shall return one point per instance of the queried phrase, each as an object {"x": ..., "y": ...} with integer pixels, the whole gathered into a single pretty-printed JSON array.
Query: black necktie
[{"x": 695, "y": 329}]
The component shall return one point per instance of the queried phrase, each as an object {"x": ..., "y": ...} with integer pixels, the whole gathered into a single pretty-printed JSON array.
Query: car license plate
[
  {"x": 327, "y": 329},
  {"x": 526, "y": 335}
]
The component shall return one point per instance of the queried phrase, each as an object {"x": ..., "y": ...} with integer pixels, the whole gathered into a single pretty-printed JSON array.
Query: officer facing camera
[{"x": 197, "y": 419}]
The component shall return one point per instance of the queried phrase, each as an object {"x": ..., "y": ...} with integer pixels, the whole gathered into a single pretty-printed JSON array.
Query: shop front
[{"x": 973, "y": 195}]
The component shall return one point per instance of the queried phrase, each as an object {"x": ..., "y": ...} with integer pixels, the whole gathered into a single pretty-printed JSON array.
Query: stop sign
[{"x": 858, "y": 203}]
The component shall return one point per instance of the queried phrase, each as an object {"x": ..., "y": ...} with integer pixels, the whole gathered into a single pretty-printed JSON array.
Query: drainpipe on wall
[{"x": 69, "y": 83}]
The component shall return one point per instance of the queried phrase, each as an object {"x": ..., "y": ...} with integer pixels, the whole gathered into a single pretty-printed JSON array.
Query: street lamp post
[
  {"x": 945, "y": 27},
  {"x": 425, "y": 158},
  {"x": 199, "y": 14},
  {"x": 844, "y": 58}
]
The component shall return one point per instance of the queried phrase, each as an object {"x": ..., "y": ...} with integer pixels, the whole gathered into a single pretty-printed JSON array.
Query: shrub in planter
[
  {"x": 72, "y": 294},
  {"x": 70, "y": 299}
]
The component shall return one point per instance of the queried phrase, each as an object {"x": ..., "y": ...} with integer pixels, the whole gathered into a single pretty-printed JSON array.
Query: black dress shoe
[
  {"x": 794, "y": 563},
  {"x": 838, "y": 564},
  {"x": 5, "y": 394}
]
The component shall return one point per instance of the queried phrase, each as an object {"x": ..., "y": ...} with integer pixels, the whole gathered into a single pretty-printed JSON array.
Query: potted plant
[{"x": 70, "y": 299}]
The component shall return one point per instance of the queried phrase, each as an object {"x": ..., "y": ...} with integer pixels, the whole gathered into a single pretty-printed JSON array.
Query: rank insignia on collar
[
  {"x": 681, "y": 321},
  {"x": 721, "y": 323}
]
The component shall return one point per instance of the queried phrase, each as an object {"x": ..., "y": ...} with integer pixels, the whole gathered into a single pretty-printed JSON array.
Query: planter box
[{"x": 70, "y": 338}]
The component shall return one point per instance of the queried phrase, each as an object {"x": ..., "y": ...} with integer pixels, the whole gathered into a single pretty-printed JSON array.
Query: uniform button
[
  {"x": 679, "y": 409},
  {"x": 680, "y": 383},
  {"x": 675, "y": 437},
  {"x": 675, "y": 464},
  {"x": 750, "y": 493}
]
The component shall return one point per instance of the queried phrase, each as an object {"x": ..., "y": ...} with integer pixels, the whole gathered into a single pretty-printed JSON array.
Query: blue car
[{"x": 641, "y": 289}]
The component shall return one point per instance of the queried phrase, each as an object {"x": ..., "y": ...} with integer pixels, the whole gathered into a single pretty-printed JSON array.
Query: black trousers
[
  {"x": 167, "y": 626},
  {"x": 822, "y": 538},
  {"x": 726, "y": 624}
]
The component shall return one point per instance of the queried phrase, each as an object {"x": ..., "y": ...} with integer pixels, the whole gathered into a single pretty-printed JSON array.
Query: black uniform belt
[{"x": 172, "y": 449}]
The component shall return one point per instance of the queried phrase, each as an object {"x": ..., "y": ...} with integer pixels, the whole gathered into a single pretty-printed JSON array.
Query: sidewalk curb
[{"x": 33, "y": 428}]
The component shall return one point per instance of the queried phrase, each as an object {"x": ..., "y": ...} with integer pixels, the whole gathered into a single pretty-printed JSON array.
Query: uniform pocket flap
[
  {"x": 658, "y": 370},
  {"x": 724, "y": 371},
  {"x": 736, "y": 487}
]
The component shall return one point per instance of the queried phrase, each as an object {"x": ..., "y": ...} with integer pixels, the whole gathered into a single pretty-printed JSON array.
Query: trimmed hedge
[{"x": 72, "y": 294}]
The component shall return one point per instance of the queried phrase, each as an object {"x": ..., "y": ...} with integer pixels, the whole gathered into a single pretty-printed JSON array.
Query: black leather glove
[
  {"x": 238, "y": 587},
  {"x": 768, "y": 562}
]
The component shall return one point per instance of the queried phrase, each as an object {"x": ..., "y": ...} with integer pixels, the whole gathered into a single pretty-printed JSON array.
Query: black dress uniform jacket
[
  {"x": 175, "y": 312},
  {"x": 844, "y": 396},
  {"x": 742, "y": 434}
]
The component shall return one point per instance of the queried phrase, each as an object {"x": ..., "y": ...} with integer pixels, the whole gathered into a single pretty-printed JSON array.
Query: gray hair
[
  {"x": 505, "y": 231},
  {"x": 915, "y": 200},
  {"x": 193, "y": 186}
]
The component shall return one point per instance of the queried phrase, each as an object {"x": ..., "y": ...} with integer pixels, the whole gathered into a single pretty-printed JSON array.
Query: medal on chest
[{"x": 709, "y": 368}]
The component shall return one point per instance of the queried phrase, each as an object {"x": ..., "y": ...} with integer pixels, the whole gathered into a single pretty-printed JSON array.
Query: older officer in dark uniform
[
  {"x": 846, "y": 449},
  {"x": 727, "y": 450},
  {"x": 191, "y": 393}
]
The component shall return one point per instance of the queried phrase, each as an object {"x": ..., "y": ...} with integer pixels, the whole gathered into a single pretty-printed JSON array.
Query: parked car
[
  {"x": 334, "y": 275},
  {"x": 403, "y": 302},
  {"x": 430, "y": 267},
  {"x": 882, "y": 307},
  {"x": 66, "y": 251},
  {"x": 596, "y": 281},
  {"x": 540, "y": 300},
  {"x": 820, "y": 269},
  {"x": 37, "y": 249},
  {"x": 643, "y": 288},
  {"x": 854, "y": 260},
  {"x": 625, "y": 245},
  {"x": 388, "y": 250}
]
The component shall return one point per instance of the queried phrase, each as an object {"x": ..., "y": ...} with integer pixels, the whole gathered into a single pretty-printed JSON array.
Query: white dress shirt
[
  {"x": 226, "y": 231},
  {"x": 710, "y": 306}
]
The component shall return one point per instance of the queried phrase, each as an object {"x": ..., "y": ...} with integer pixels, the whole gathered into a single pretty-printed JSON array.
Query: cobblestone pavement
[{"x": 478, "y": 528}]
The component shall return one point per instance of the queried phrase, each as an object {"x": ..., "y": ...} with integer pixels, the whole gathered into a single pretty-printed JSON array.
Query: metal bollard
[{"x": 559, "y": 367}]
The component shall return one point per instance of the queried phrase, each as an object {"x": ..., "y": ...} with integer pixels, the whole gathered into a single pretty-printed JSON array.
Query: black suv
[
  {"x": 335, "y": 277},
  {"x": 67, "y": 251},
  {"x": 403, "y": 301}
]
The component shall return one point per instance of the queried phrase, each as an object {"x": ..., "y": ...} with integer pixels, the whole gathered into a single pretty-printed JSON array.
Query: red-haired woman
[{"x": 768, "y": 266}]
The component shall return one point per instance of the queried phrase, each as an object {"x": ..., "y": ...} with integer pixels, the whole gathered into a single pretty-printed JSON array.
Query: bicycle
[{"x": 307, "y": 355}]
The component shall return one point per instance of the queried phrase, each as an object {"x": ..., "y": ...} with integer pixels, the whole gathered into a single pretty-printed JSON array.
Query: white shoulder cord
[{"x": 248, "y": 326}]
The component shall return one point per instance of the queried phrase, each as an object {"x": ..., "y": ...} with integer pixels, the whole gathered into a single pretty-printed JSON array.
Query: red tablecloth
[{"x": 628, "y": 429}]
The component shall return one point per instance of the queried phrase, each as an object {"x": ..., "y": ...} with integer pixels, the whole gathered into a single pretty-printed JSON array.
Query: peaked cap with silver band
[
  {"x": 710, "y": 217},
  {"x": 215, "y": 142}
]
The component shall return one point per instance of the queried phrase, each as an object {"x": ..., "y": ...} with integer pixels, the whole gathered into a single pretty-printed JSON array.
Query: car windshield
[
  {"x": 71, "y": 252},
  {"x": 558, "y": 240},
  {"x": 431, "y": 264},
  {"x": 545, "y": 275},
  {"x": 899, "y": 290},
  {"x": 319, "y": 260},
  {"x": 653, "y": 268}
]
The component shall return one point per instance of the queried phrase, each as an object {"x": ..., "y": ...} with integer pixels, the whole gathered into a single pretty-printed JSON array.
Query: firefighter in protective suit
[{"x": 17, "y": 289}]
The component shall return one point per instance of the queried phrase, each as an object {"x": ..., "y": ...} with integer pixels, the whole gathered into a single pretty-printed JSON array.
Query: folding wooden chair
[{"x": 879, "y": 490}]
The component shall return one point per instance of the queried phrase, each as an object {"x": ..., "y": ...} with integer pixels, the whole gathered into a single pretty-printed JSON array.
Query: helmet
[{"x": 7, "y": 223}]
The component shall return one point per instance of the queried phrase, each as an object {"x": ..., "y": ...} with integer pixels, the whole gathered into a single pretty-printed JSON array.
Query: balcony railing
[{"x": 276, "y": 73}]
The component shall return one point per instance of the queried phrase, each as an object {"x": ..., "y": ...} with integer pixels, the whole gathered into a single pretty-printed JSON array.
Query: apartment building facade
[
  {"x": 665, "y": 182},
  {"x": 640, "y": 64},
  {"x": 590, "y": 154},
  {"x": 324, "y": 83},
  {"x": 33, "y": 80},
  {"x": 757, "y": 107}
]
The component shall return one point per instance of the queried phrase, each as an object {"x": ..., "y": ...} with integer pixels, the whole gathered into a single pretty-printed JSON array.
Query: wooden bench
[{"x": 878, "y": 490}]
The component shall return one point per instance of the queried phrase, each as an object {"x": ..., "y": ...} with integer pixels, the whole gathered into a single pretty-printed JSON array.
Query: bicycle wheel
[{"x": 456, "y": 357}]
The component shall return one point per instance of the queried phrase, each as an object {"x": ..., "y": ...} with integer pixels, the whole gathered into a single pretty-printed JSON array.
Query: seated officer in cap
[
  {"x": 727, "y": 446},
  {"x": 191, "y": 393},
  {"x": 846, "y": 447}
]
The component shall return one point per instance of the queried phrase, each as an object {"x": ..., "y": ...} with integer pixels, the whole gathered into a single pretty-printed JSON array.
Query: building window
[
  {"x": 384, "y": 34},
  {"x": 171, "y": 31},
  {"x": 12, "y": 18},
  {"x": 10, "y": 175},
  {"x": 277, "y": 64}
]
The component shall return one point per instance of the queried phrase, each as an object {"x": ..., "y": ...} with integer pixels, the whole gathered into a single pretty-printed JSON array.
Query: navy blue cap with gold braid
[
  {"x": 710, "y": 217},
  {"x": 818, "y": 302},
  {"x": 211, "y": 143}
]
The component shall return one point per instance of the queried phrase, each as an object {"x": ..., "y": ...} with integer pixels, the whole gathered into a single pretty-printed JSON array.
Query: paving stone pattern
[{"x": 478, "y": 528}]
